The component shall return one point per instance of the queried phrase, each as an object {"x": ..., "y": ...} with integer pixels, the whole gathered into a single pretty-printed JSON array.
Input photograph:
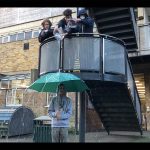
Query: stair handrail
[{"x": 135, "y": 87}]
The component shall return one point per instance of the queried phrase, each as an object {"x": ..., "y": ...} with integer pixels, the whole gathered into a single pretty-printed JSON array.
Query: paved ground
[{"x": 114, "y": 137}]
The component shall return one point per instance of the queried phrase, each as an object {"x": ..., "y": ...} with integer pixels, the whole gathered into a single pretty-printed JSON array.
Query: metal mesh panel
[
  {"x": 138, "y": 109},
  {"x": 114, "y": 60},
  {"x": 130, "y": 80},
  {"x": 82, "y": 53},
  {"x": 49, "y": 57}
]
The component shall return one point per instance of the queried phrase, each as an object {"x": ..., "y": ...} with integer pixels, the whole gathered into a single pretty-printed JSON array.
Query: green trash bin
[{"x": 42, "y": 130}]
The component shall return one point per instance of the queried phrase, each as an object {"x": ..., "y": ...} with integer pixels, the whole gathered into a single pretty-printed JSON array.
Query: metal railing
[{"x": 98, "y": 53}]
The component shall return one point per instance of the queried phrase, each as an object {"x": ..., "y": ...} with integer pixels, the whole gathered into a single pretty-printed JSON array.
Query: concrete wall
[
  {"x": 36, "y": 24},
  {"x": 16, "y": 15},
  {"x": 143, "y": 33}
]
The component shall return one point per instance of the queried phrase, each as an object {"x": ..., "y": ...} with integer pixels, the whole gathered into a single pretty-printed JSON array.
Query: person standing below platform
[{"x": 60, "y": 110}]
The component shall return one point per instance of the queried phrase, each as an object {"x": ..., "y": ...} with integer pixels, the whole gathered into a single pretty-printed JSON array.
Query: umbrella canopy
[{"x": 51, "y": 81}]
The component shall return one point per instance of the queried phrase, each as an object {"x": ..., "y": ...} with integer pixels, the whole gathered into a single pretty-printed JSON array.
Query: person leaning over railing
[
  {"x": 69, "y": 25},
  {"x": 47, "y": 31},
  {"x": 66, "y": 26}
]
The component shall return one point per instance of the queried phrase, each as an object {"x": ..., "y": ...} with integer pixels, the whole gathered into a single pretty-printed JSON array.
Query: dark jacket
[
  {"x": 66, "y": 29},
  {"x": 44, "y": 35},
  {"x": 85, "y": 25}
]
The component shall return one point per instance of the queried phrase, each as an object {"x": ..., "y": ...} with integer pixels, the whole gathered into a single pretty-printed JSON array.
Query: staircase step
[
  {"x": 125, "y": 125},
  {"x": 130, "y": 47},
  {"x": 130, "y": 43},
  {"x": 106, "y": 104},
  {"x": 117, "y": 32},
  {"x": 122, "y": 129},
  {"x": 113, "y": 99},
  {"x": 116, "y": 120},
  {"x": 117, "y": 110},
  {"x": 114, "y": 25},
  {"x": 118, "y": 115},
  {"x": 110, "y": 10},
  {"x": 131, "y": 50},
  {"x": 114, "y": 18},
  {"x": 128, "y": 38}
]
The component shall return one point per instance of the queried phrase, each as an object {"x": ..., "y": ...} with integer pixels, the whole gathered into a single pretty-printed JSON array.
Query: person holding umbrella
[{"x": 60, "y": 110}]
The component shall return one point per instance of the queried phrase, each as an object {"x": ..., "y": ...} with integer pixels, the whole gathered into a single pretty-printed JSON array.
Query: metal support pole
[
  {"x": 82, "y": 117},
  {"x": 6, "y": 97},
  {"x": 76, "y": 112}
]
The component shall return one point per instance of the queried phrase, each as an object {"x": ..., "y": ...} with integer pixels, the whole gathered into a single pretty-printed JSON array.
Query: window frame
[
  {"x": 34, "y": 31},
  {"x": 27, "y": 32},
  {"x": 8, "y": 37},
  {"x": 15, "y": 38},
  {"x": 18, "y": 35}
]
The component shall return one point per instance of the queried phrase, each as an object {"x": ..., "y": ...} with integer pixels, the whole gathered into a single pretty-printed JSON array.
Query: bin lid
[
  {"x": 5, "y": 114},
  {"x": 43, "y": 118}
]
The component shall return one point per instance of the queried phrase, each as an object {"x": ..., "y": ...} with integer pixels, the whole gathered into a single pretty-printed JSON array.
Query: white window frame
[
  {"x": 23, "y": 36},
  {"x": 16, "y": 37},
  {"x": 33, "y": 33},
  {"x": 2, "y": 39},
  {"x": 13, "y": 98},
  {"x": 5, "y": 37}
]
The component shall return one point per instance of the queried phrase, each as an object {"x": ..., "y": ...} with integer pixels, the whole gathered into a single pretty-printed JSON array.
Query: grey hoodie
[{"x": 66, "y": 106}]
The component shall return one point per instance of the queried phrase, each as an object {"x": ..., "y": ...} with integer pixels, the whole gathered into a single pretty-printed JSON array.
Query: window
[
  {"x": 35, "y": 33},
  {"x": 5, "y": 39},
  {"x": 26, "y": 46},
  {"x": 20, "y": 83},
  {"x": 14, "y": 97},
  {"x": 20, "y": 36},
  {"x": 28, "y": 35},
  {"x": 0, "y": 39},
  {"x": 13, "y": 37},
  {"x": 5, "y": 84}
]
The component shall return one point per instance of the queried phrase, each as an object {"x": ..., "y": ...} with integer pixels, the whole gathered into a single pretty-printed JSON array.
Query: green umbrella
[{"x": 49, "y": 83}]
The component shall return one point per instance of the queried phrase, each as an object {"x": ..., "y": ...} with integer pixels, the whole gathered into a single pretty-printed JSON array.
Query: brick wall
[{"x": 14, "y": 59}]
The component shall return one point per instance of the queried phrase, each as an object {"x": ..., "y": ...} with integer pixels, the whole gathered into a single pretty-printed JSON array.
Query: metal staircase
[
  {"x": 115, "y": 106},
  {"x": 102, "y": 62},
  {"x": 118, "y": 22}
]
